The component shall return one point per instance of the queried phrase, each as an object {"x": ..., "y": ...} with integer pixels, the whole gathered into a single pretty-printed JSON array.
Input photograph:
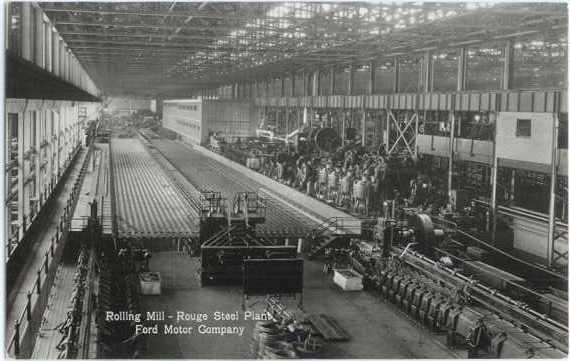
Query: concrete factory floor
[{"x": 377, "y": 329}]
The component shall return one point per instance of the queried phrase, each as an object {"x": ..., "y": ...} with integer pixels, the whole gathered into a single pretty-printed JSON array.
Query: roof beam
[
  {"x": 128, "y": 35},
  {"x": 160, "y": 14}
]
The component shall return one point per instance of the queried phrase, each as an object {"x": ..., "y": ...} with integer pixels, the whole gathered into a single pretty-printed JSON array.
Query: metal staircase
[{"x": 335, "y": 231}]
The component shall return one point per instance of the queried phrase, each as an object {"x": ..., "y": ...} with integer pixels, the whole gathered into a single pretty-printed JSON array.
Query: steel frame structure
[{"x": 192, "y": 45}]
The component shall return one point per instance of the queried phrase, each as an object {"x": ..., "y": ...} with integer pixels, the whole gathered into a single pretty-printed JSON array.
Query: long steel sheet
[{"x": 148, "y": 203}]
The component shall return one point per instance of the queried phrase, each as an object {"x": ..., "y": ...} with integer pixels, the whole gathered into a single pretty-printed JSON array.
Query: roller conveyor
[
  {"x": 148, "y": 203},
  {"x": 206, "y": 174}
]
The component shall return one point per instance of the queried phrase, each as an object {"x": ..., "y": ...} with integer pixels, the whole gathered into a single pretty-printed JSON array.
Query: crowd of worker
[{"x": 357, "y": 179}]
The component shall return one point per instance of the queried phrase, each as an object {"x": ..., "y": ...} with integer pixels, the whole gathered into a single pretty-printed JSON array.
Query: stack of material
[
  {"x": 268, "y": 342},
  {"x": 348, "y": 280},
  {"x": 148, "y": 203},
  {"x": 150, "y": 283},
  {"x": 328, "y": 328}
]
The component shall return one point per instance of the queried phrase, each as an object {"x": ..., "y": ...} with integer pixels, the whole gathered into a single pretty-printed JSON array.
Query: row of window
[
  {"x": 31, "y": 35},
  {"x": 193, "y": 108},
  {"x": 538, "y": 63}
]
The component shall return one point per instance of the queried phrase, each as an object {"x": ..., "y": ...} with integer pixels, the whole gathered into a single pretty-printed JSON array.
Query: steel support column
[
  {"x": 462, "y": 69},
  {"x": 316, "y": 82},
  {"x": 553, "y": 179},
  {"x": 292, "y": 84},
  {"x": 508, "y": 66},
  {"x": 350, "y": 83},
  {"x": 332, "y": 80},
  {"x": 343, "y": 130},
  {"x": 494, "y": 180},
  {"x": 427, "y": 73},
  {"x": 21, "y": 150},
  {"x": 451, "y": 148},
  {"x": 363, "y": 126},
  {"x": 282, "y": 84},
  {"x": 396, "y": 80},
  {"x": 372, "y": 78}
]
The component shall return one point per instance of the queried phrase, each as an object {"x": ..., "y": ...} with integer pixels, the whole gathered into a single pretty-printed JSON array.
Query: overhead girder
[{"x": 234, "y": 41}]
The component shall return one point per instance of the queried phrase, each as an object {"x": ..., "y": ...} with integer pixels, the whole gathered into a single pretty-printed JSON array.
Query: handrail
[{"x": 337, "y": 225}]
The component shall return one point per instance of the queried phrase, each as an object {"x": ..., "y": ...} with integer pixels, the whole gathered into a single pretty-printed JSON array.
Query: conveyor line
[
  {"x": 148, "y": 203},
  {"x": 204, "y": 173}
]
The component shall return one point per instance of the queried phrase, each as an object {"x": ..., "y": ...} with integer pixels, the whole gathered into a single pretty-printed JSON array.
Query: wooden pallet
[{"x": 328, "y": 328}]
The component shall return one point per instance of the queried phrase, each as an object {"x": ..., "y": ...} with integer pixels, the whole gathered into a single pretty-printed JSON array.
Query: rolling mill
[{"x": 269, "y": 180}]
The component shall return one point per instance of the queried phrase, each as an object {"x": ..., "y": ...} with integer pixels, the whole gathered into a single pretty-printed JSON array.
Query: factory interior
[{"x": 268, "y": 180}]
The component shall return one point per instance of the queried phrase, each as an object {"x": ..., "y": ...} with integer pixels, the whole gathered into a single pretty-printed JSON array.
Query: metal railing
[
  {"x": 339, "y": 225},
  {"x": 35, "y": 293}
]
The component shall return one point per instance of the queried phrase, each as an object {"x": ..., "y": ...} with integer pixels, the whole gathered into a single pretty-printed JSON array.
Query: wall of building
[
  {"x": 196, "y": 119},
  {"x": 535, "y": 148},
  {"x": 230, "y": 119},
  {"x": 185, "y": 118},
  {"x": 41, "y": 137}
]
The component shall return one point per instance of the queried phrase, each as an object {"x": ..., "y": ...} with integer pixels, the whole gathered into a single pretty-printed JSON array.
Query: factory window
[
  {"x": 341, "y": 81},
  {"x": 523, "y": 127},
  {"x": 325, "y": 82},
  {"x": 540, "y": 62},
  {"x": 484, "y": 67},
  {"x": 409, "y": 75},
  {"x": 309, "y": 85},
  {"x": 384, "y": 78},
  {"x": 360, "y": 80},
  {"x": 445, "y": 70},
  {"x": 299, "y": 92},
  {"x": 14, "y": 42}
]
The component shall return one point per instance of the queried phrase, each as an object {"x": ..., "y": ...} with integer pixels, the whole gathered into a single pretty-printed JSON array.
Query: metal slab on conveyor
[
  {"x": 204, "y": 173},
  {"x": 147, "y": 202}
]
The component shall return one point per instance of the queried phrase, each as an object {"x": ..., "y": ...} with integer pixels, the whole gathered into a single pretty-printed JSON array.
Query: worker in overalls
[
  {"x": 346, "y": 189},
  {"x": 360, "y": 196},
  {"x": 332, "y": 187},
  {"x": 323, "y": 180},
  {"x": 380, "y": 180}
]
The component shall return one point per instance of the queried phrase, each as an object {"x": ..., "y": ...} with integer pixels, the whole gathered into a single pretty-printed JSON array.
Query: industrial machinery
[
  {"x": 416, "y": 230},
  {"x": 324, "y": 139},
  {"x": 228, "y": 238}
]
